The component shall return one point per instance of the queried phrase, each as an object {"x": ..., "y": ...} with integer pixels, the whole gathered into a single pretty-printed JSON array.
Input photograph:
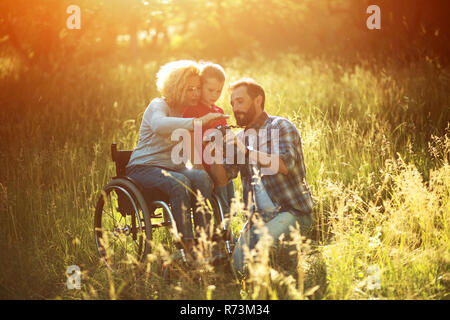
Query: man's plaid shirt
[{"x": 288, "y": 192}]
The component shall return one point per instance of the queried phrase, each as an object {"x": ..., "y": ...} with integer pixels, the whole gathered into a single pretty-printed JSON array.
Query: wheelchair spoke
[{"x": 112, "y": 210}]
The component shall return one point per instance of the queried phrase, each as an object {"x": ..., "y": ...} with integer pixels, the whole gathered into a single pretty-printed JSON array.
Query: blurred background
[
  {"x": 35, "y": 32},
  {"x": 36, "y": 42},
  {"x": 372, "y": 108}
]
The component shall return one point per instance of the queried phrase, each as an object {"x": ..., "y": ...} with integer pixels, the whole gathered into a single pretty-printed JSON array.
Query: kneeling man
[{"x": 273, "y": 171}]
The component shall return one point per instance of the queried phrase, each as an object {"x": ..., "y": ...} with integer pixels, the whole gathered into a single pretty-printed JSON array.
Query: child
[{"x": 213, "y": 78}]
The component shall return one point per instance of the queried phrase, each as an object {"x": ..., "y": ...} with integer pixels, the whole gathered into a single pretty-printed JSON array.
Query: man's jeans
[
  {"x": 181, "y": 199},
  {"x": 276, "y": 224}
]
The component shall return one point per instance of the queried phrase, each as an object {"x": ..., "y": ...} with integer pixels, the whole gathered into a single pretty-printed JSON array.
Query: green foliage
[
  {"x": 378, "y": 170},
  {"x": 36, "y": 30}
]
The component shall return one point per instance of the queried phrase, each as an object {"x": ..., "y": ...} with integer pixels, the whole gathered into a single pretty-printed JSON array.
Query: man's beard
[{"x": 244, "y": 118}]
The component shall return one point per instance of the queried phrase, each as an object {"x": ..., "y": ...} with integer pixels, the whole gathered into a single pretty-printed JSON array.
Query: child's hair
[{"x": 211, "y": 70}]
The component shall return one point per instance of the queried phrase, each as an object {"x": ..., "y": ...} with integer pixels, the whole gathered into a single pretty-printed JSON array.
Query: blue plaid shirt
[{"x": 288, "y": 192}]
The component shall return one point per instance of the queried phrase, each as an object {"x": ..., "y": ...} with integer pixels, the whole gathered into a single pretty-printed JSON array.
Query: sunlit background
[
  {"x": 35, "y": 31},
  {"x": 372, "y": 108}
]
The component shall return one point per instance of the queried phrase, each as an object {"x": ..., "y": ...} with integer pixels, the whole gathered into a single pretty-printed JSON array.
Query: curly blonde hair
[{"x": 171, "y": 80}]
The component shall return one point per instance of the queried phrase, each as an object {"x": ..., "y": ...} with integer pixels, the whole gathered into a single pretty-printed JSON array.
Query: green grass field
[{"x": 376, "y": 139}]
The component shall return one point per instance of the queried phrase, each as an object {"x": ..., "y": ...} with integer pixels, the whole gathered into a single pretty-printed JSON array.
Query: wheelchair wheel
[
  {"x": 164, "y": 230},
  {"x": 222, "y": 228},
  {"x": 122, "y": 224}
]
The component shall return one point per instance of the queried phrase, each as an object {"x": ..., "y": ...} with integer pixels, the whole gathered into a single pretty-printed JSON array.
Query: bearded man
[{"x": 273, "y": 173}]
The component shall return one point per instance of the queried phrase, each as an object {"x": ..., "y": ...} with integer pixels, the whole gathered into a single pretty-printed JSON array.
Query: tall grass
[{"x": 377, "y": 158}]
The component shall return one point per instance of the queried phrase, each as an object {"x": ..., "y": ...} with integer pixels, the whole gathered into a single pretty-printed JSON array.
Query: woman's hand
[{"x": 210, "y": 117}]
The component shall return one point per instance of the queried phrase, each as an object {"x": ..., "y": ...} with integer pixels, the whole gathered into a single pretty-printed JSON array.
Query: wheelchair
[{"x": 127, "y": 217}]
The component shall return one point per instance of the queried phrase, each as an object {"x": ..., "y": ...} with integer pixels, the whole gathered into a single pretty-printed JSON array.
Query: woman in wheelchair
[{"x": 150, "y": 163}]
